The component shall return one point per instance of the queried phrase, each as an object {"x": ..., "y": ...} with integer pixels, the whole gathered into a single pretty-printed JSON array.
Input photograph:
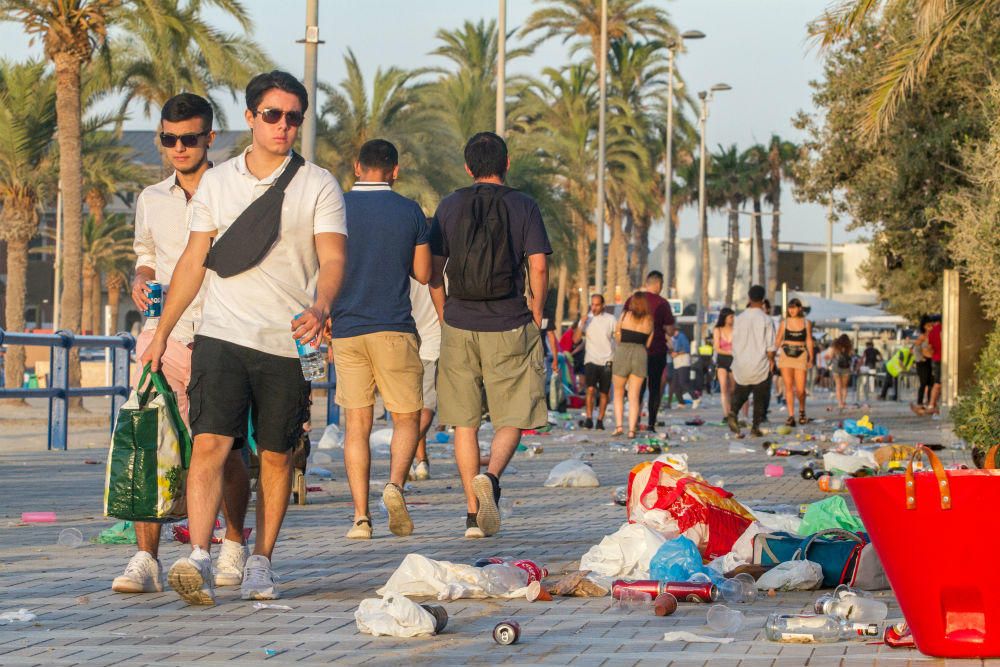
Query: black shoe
[
  {"x": 756, "y": 433},
  {"x": 599, "y": 424},
  {"x": 733, "y": 423},
  {"x": 588, "y": 423},
  {"x": 472, "y": 529}
]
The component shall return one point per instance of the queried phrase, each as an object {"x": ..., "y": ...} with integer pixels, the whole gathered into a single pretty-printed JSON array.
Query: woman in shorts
[
  {"x": 795, "y": 341},
  {"x": 840, "y": 354},
  {"x": 628, "y": 368},
  {"x": 723, "y": 337}
]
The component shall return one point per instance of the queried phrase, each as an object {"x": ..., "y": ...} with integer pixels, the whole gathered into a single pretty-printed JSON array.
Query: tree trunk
[
  {"x": 17, "y": 274},
  {"x": 114, "y": 300},
  {"x": 759, "y": 244},
  {"x": 582, "y": 271},
  {"x": 671, "y": 268},
  {"x": 611, "y": 270},
  {"x": 623, "y": 280},
  {"x": 772, "y": 263},
  {"x": 733, "y": 252},
  {"x": 67, "y": 66},
  {"x": 87, "y": 310},
  {"x": 640, "y": 251},
  {"x": 96, "y": 312},
  {"x": 561, "y": 298}
]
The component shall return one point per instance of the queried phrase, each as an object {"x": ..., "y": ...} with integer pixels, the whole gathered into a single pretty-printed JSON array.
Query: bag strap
[
  {"x": 990, "y": 462},
  {"x": 836, "y": 532},
  {"x": 144, "y": 394},
  {"x": 651, "y": 483},
  {"x": 288, "y": 174},
  {"x": 943, "y": 487}
]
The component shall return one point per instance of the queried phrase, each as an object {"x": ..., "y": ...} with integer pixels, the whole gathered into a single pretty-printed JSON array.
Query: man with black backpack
[
  {"x": 270, "y": 228},
  {"x": 490, "y": 242}
]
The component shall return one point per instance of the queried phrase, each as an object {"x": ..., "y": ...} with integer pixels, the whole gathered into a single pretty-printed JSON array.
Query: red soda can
[
  {"x": 507, "y": 632},
  {"x": 898, "y": 636},
  {"x": 650, "y": 586},
  {"x": 534, "y": 570},
  {"x": 690, "y": 591}
]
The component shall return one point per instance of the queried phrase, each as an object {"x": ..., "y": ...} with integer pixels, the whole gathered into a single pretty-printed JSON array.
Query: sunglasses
[
  {"x": 272, "y": 116},
  {"x": 189, "y": 140}
]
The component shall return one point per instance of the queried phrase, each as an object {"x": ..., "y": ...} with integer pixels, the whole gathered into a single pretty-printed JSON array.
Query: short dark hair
[
  {"x": 262, "y": 83},
  {"x": 756, "y": 294},
  {"x": 597, "y": 295},
  {"x": 378, "y": 154},
  {"x": 185, "y": 107},
  {"x": 654, "y": 274},
  {"x": 486, "y": 155}
]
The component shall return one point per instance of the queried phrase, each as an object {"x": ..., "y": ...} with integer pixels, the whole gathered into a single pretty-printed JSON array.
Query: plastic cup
[
  {"x": 70, "y": 537},
  {"x": 700, "y": 578},
  {"x": 630, "y": 600},
  {"x": 740, "y": 589},
  {"x": 506, "y": 506},
  {"x": 578, "y": 453},
  {"x": 723, "y": 619}
]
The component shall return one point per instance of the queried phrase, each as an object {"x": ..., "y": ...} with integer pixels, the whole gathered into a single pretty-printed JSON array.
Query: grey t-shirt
[{"x": 527, "y": 237}]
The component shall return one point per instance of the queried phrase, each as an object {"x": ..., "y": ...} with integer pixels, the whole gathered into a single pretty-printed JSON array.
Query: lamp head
[
  {"x": 720, "y": 87},
  {"x": 692, "y": 34}
]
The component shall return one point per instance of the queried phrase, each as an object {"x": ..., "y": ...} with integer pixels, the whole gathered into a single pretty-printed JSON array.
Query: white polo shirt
[
  {"x": 600, "y": 337},
  {"x": 426, "y": 318},
  {"x": 255, "y": 308},
  {"x": 161, "y": 235}
]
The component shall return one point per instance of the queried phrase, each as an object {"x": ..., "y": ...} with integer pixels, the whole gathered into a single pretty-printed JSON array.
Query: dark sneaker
[
  {"x": 588, "y": 423},
  {"x": 472, "y": 529},
  {"x": 756, "y": 433},
  {"x": 487, "y": 490},
  {"x": 599, "y": 424},
  {"x": 733, "y": 423}
]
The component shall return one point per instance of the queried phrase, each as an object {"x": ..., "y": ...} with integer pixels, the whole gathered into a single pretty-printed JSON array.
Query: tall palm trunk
[
  {"x": 772, "y": 263},
  {"x": 96, "y": 312},
  {"x": 582, "y": 269},
  {"x": 611, "y": 270},
  {"x": 758, "y": 243},
  {"x": 640, "y": 251},
  {"x": 17, "y": 274},
  {"x": 67, "y": 66},
  {"x": 87, "y": 307},
  {"x": 114, "y": 299},
  {"x": 733, "y": 252},
  {"x": 561, "y": 297},
  {"x": 622, "y": 278}
]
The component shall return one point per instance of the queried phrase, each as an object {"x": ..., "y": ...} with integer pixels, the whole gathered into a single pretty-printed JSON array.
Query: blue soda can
[{"x": 155, "y": 308}]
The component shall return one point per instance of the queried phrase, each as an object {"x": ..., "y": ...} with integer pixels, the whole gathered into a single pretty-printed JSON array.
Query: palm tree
[
  {"x": 393, "y": 112},
  {"x": 683, "y": 193},
  {"x": 937, "y": 21},
  {"x": 107, "y": 246},
  {"x": 27, "y": 125},
  {"x": 781, "y": 156},
  {"x": 758, "y": 172},
  {"x": 70, "y": 32},
  {"x": 730, "y": 182}
]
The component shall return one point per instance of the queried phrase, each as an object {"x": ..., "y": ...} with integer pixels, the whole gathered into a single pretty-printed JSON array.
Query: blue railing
[{"x": 58, "y": 390}]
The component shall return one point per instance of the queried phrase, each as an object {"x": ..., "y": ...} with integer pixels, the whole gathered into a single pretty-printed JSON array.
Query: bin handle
[
  {"x": 943, "y": 487},
  {"x": 990, "y": 462}
]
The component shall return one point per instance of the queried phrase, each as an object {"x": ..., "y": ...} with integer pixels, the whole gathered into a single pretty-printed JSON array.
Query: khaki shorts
[
  {"x": 630, "y": 359},
  {"x": 386, "y": 359},
  {"x": 430, "y": 384},
  {"x": 507, "y": 364}
]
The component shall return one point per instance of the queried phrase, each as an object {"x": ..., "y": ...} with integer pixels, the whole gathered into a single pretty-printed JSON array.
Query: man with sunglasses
[
  {"x": 160, "y": 236},
  {"x": 244, "y": 349}
]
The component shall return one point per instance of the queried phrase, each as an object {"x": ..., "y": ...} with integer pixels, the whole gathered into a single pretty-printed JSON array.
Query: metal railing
[{"x": 58, "y": 390}]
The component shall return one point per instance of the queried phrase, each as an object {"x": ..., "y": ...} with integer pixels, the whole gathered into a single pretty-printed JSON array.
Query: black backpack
[{"x": 481, "y": 264}]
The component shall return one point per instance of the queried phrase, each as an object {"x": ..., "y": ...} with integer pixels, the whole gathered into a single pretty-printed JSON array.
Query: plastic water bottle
[
  {"x": 503, "y": 578},
  {"x": 313, "y": 364}
]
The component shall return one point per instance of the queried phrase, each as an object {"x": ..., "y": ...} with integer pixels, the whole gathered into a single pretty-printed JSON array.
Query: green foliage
[{"x": 977, "y": 414}]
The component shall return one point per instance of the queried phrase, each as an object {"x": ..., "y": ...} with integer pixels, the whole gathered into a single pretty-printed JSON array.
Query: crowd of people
[{"x": 263, "y": 257}]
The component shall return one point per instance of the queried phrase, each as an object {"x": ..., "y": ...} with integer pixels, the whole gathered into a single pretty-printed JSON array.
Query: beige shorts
[
  {"x": 507, "y": 364},
  {"x": 630, "y": 359},
  {"x": 430, "y": 384},
  {"x": 388, "y": 360}
]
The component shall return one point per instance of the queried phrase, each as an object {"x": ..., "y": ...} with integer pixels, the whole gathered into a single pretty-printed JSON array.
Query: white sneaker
[
  {"x": 191, "y": 577},
  {"x": 230, "y": 563},
  {"x": 258, "y": 580},
  {"x": 421, "y": 471},
  {"x": 143, "y": 574}
]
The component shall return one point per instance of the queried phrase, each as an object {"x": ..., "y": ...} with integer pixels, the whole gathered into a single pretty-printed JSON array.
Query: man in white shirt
[
  {"x": 245, "y": 349},
  {"x": 753, "y": 359},
  {"x": 599, "y": 350},
  {"x": 160, "y": 236},
  {"x": 425, "y": 314}
]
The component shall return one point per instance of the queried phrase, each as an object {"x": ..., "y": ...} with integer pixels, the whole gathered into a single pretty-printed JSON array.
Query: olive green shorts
[
  {"x": 507, "y": 364},
  {"x": 630, "y": 359}
]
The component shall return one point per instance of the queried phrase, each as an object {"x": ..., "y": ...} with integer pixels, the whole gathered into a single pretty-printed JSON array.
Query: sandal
[
  {"x": 631, "y": 435},
  {"x": 790, "y": 421},
  {"x": 803, "y": 419},
  {"x": 618, "y": 432}
]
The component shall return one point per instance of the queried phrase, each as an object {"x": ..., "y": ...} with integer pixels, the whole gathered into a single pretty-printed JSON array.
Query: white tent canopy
[{"x": 828, "y": 312}]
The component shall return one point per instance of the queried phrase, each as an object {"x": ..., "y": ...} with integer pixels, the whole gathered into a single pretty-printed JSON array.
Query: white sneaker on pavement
[
  {"x": 258, "y": 580},
  {"x": 191, "y": 577},
  {"x": 421, "y": 471},
  {"x": 143, "y": 574},
  {"x": 230, "y": 563}
]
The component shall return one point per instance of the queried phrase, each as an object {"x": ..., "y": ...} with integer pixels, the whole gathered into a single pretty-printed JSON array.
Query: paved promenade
[{"x": 323, "y": 576}]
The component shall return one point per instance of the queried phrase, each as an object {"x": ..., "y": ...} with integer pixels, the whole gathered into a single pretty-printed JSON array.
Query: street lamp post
[
  {"x": 599, "y": 211},
  {"x": 669, "y": 254},
  {"x": 706, "y": 98},
  {"x": 311, "y": 42},
  {"x": 502, "y": 69}
]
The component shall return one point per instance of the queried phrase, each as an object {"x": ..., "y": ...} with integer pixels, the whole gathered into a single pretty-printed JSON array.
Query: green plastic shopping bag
[{"x": 149, "y": 457}]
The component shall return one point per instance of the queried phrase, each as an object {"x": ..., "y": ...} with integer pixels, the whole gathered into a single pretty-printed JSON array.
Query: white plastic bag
[
  {"x": 420, "y": 576},
  {"x": 381, "y": 437},
  {"x": 625, "y": 553},
  {"x": 333, "y": 438},
  {"x": 792, "y": 575},
  {"x": 675, "y": 461},
  {"x": 393, "y": 616},
  {"x": 849, "y": 463},
  {"x": 572, "y": 472},
  {"x": 774, "y": 523},
  {"x": 842, "y": 436}
]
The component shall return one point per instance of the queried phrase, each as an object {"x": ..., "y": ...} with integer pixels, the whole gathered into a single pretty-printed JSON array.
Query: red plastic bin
[{"x": 938, "y": 538}]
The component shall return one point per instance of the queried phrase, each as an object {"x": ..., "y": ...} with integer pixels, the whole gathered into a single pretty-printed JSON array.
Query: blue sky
[{"x": 757, "y": 46}]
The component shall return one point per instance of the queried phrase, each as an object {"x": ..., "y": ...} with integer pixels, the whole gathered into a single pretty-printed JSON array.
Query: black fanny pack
[
  {"x": 252, "y": 235},
  {"x": 793, "y": 351}
]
